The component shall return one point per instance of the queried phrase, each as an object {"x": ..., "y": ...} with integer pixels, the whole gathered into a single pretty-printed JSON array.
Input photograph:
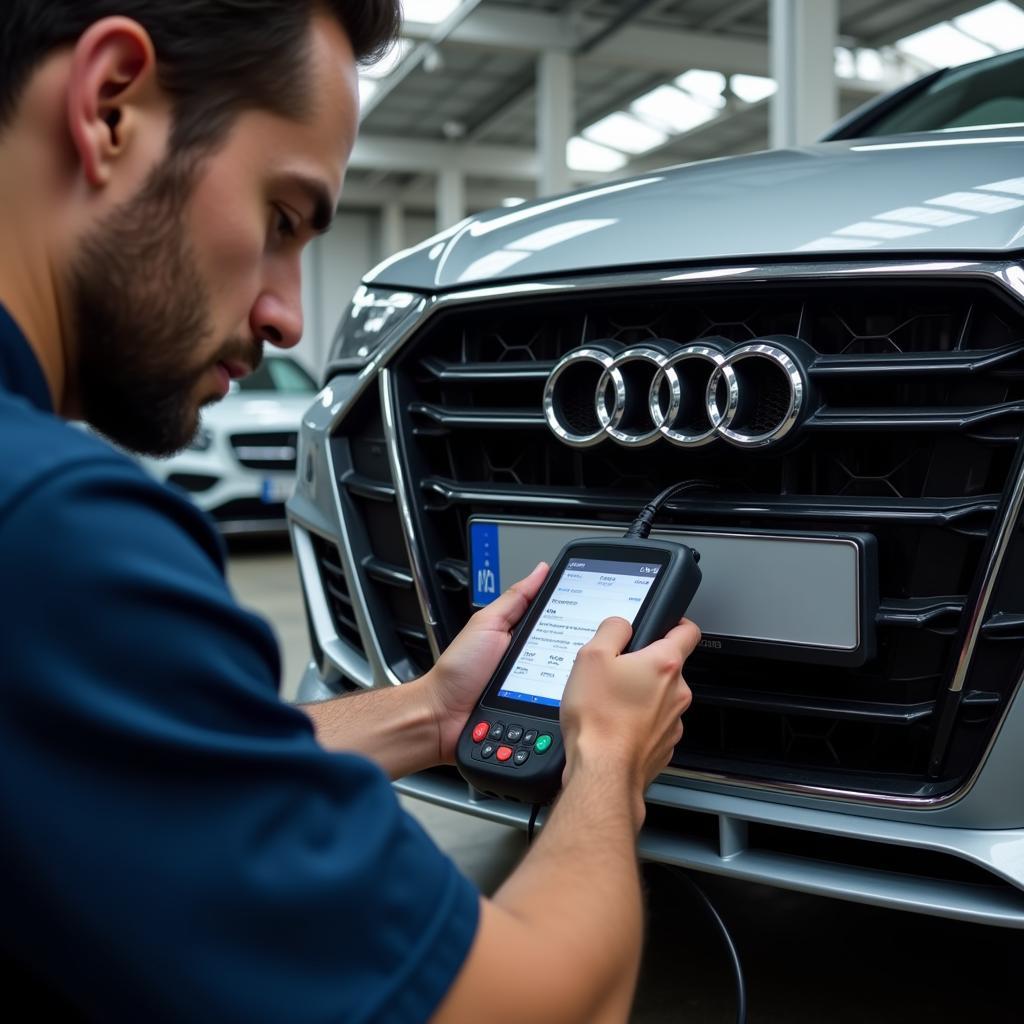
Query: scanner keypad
[{"x": 518, "y": 744}]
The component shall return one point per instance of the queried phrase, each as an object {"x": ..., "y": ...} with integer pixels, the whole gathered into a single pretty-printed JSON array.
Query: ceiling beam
[
  {"x": 422, "y": 198},
  {"x": 725, "y": 16},
  {"x": 635, "y": 10},
  {"x": 394, "y": 153},
  {"x": 632, "y": 46},
  {"x": 506, "y": 29}
]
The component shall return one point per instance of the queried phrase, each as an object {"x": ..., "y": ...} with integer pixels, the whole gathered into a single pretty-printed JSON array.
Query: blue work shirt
[{"x": 176, "y": 844}]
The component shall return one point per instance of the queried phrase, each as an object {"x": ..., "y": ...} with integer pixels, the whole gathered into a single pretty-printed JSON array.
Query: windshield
[
  {"x": 279, "y": 375},
  {"x": 989, "y": 92}
]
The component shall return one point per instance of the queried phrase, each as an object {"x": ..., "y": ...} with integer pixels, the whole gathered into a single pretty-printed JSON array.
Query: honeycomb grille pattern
[{"x": 892, "y": 365}]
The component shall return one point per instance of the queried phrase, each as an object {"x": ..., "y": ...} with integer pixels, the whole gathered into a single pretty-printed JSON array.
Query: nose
[{"x": 276, "y": 316}]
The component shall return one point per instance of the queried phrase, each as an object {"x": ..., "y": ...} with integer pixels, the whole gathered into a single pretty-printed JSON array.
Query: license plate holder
[{"x": 809, "y": 597}]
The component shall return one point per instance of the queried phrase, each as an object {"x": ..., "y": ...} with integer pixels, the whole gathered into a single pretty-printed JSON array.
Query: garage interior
[{"x": 489, "y": 103}]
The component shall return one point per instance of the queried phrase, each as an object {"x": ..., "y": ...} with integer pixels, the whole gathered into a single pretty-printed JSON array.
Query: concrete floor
[{"x": 807, "y": 960}]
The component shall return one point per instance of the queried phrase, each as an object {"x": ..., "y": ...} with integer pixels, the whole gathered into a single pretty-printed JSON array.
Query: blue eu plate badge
[{"x": 485, "y": 565}]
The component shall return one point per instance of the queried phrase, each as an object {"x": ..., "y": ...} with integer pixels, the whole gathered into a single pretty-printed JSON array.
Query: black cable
[
  {"x": 640, "y": 528},
  {"x": 533, "y": 822},
  {"x": 737, "y": 967}
]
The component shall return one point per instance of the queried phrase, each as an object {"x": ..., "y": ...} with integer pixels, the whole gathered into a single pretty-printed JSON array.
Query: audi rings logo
[{"x": 750, "y": 395}]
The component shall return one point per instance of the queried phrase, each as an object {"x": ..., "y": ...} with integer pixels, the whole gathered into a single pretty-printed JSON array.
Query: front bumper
[
  {"x": 969, "y": 874},
  {"x": 961, "y": 856}
]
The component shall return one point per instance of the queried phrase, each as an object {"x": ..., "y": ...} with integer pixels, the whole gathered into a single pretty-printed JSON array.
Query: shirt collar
[{"x": 20, "y": 372}]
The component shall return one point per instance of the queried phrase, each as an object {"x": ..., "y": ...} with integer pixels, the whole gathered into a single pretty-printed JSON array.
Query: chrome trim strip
[
  {"x": 1006, "y": 274},
  {"x": 382, "y": 673},
  {"x": 405, "y": 513},
  {"x": 988, "y": 584},
  {"x": 345, "y": 657}
]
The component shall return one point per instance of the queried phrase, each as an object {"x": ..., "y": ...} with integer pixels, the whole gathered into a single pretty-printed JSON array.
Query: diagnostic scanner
[{"x": 511, "y": 745}]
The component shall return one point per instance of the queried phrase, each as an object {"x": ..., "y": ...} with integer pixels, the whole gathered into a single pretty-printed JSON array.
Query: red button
[
  {"x": 480, "y": 731},
  {"x": 504, "y": 753}
]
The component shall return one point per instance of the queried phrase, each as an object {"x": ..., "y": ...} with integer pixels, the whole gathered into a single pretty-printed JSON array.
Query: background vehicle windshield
[
  {"x": 279, "y": 375},
  {"x": 989, "y": 92}
]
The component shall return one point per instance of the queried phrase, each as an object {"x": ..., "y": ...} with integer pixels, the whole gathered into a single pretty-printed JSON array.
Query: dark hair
[{"x": 216, "y": 58}]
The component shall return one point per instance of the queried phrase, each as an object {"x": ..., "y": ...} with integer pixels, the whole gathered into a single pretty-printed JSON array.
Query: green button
[{"x": 542, "y": 744}]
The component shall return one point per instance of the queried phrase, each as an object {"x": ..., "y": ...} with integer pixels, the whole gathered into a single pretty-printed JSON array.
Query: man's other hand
[{"x": 625, "y": 709}]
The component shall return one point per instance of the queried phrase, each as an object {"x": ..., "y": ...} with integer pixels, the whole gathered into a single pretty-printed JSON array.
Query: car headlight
[
  {"x": 201, "y": 441},
  {"x": 374, "y": 316}
]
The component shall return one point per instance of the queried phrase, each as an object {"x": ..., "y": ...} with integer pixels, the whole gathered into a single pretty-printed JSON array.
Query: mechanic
[{"x": 180, "y": 844}]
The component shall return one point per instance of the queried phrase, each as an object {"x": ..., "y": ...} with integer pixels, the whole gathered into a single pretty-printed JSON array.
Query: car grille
[
  {"x": 274, "y": 452},
  {"x": 360, "y": 459},
  {"x": 915, "y": 440}
]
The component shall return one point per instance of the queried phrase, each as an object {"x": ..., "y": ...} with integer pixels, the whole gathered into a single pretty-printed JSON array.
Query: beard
[{"x": 141, "y": 311}]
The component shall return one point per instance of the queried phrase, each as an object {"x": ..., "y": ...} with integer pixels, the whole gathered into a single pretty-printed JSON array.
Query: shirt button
[
  {"x": 504, "y": 753},
  {"x": 542, "y": 744},
  {"x": 480, "y": 731}
]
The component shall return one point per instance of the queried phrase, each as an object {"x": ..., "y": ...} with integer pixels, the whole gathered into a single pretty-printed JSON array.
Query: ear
[{"x": 112, "y": 83}]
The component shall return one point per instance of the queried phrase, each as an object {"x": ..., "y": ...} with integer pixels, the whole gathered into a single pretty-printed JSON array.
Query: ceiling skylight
[
  {"x": 388, "y": 62},
  {"x": 582, "y": 155},
  {"x": 430, "y": 12},
  {"x": 671, "y": 110},
  {"x": 845, "y": 65},
  {"x": 624, "y": 132},
  {"x": 943, "y": 46},
  {"x": 870, "y": 67},
  {"x": 707, "y": 86},
  {"x": 1000, "y": 25},
  {"x": 752, "y": 88}
]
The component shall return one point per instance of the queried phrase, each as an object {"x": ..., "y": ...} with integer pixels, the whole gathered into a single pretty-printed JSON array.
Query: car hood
[
  {"x": 257, "y": 410},
  {"x": 929, "y": 192}
]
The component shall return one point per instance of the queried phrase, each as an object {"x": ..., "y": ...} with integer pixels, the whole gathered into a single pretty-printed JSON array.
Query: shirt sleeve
[{"x": 177, "y": 845}]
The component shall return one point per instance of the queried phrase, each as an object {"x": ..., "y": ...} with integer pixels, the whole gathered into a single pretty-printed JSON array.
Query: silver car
[{"x": 827, "y": 344}]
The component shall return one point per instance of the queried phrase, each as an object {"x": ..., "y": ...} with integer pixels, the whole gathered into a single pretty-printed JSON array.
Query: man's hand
[
  {"x": 624, "y": 710},
  {"x": 455, "y": 683},
  {"x": 570, "y": 916}
]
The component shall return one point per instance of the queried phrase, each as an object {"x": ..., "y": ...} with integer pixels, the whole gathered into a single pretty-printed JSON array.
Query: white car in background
[{"x": 240, "y": 467}]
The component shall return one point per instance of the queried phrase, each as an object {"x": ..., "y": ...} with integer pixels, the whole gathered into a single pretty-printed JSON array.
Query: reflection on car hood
[
  {"x": 928, "y": 192},
  {"x": 257, "y": 410}
]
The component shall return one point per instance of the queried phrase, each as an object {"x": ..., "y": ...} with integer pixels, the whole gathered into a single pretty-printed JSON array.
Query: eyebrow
[{"x": 318, "y": 195}]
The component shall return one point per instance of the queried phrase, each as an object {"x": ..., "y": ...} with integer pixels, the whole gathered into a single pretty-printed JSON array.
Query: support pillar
[
  {"x": 555, "y": 120},
  {"x": 451, "y": 197},
  {"x": 803, "y": 36},
  {"x": 392, "y": 229}
]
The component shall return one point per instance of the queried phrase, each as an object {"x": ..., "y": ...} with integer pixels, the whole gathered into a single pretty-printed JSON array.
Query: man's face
[{"x": 175, "y": 292}]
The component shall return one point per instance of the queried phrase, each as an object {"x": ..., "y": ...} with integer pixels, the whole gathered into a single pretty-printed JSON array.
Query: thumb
[{"x": 612, "y": 635}]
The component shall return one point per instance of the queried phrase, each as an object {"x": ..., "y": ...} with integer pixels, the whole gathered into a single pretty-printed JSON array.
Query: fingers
[
  {"x": 683, "y": 638},
  {"x": 507, "y": 610},
  {"x": 612, "y": 636}
]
